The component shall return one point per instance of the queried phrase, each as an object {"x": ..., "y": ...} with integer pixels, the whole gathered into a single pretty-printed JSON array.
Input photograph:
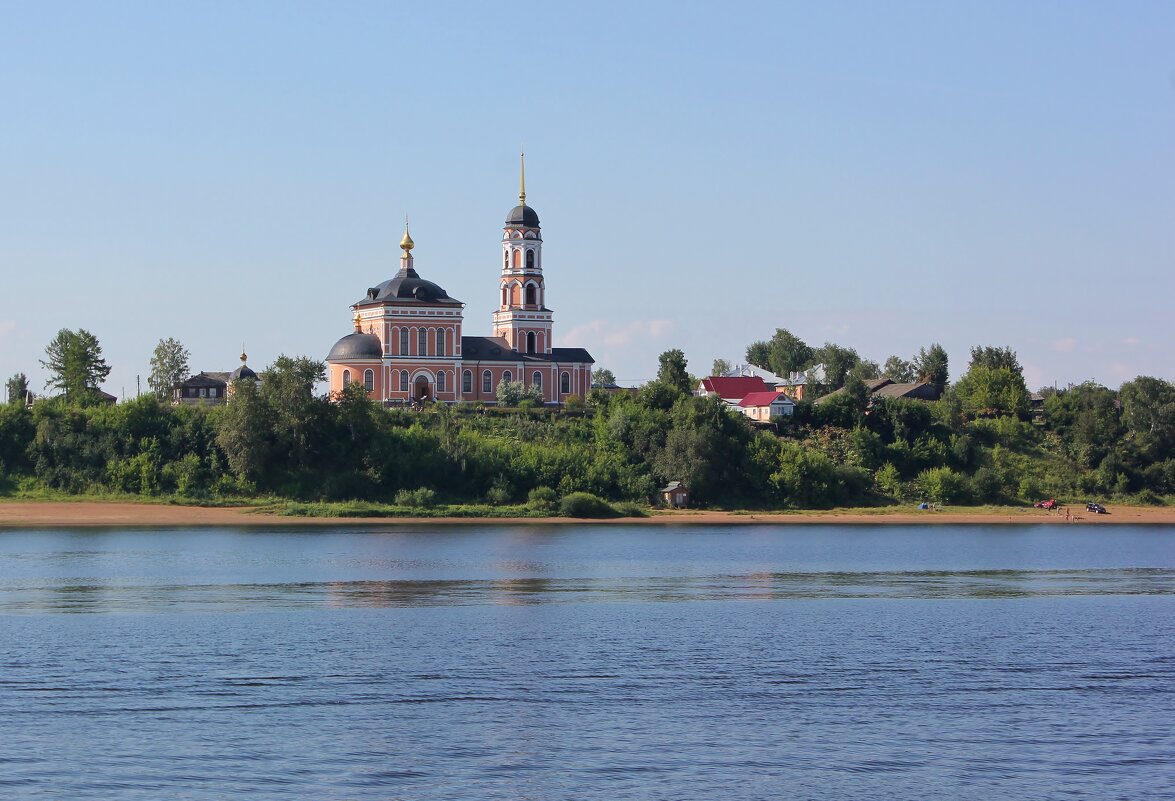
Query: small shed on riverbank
[{"x": 675, "y": 494}]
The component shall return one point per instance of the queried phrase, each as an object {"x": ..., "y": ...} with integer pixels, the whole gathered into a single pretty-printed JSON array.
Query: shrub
[
  {"x": 888, "y": 480},
  {"x": 544, "y": 499},
  {"x": 942, "y": 484},
  {"x": 584, "y": 504},
  {"x": 629, "y": 509},
  {"x": 422, "y": 498}
]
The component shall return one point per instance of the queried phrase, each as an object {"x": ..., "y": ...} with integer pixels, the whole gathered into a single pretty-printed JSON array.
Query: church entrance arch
[{"x": 421, "y": 388}]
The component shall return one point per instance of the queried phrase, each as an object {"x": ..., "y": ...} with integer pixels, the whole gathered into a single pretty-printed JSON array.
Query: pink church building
[{"x": 408, "y": 345}]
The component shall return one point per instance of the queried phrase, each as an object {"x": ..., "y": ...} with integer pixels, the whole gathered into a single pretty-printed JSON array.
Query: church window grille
[
  {"x": 403, "y": 341},
  {"x": 530, "y": 341},
  {"x": 441, "y": 342},
  {"x": 346, "y": 378},
  {"x": 467, "y": 381},
  {"x": 441, "y": 381},
  {"x": 369, "y": 380},
  {"x": 421, "y": 341},
  {"x": 529, "y": 259},
  {"x": 531, "y": 295},
  {"x": 565, "y": 382},
  {"x": 507, "y": 376},
  {"x": 487, "y": 382},
  {"x": 403, "y": 380},
  {"x": 537, "y": 379}
]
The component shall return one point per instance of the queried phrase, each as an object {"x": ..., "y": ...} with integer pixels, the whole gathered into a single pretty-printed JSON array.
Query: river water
[{"x": 588, "y": 662}]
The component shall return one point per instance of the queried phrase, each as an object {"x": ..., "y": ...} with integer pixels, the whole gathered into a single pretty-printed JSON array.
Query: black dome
[
  {"x": 244, "y": 371},
  {"x": 356, "y": 346},
  {"x": 523, "y": 215},
  {"x": 407, "y": 284}
]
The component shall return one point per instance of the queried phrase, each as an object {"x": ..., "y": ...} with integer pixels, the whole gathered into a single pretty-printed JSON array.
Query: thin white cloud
[
  {"x": 1122, "y": 370},
  {"x": 1130, "y": 342},
  {"x": 7, "y": 326},
  {"x": 616, "y": 334},
  {"x": 1064, "y": 345}
]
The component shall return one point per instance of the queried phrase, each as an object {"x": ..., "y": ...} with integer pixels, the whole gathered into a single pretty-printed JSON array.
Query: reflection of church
[{"x": 407, "y": 345}]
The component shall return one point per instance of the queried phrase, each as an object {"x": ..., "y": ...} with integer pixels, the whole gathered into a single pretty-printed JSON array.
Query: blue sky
[{"x": 879, "y": 175}]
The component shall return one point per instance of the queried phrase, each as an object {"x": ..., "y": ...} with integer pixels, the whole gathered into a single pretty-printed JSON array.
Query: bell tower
[{"x": 523, "y": 318}]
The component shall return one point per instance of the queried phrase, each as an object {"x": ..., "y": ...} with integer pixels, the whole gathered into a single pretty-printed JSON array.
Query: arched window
[
  {"x": 565, "y": 383},
  {"x": 467, "y": 382},
  {"x": 530, "y": 341},
  {"x": 531, "y": 295},
  {"x": 441, "y": 342},
  {"x": 507, "y": 376},
  {"x": 487, "y": 382},
  {"x": 514, "y": 296},
  {"x": 369, "y": 380},
  {"x": 441, "y": 381},
  {"x": 346, "y": 378},
  {"x": 517, "y": 258},
  {"x": 506, "y": 260},
  {"x": 529, "y": 259},
  {"x": 421, "y": 341},
  {"x": 537, "y": 379},
  {"x": 403, "y": 341},
  {"x": 403, "y": 380}
]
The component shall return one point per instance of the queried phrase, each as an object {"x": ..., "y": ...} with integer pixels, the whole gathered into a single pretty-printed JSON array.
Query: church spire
[{"x": 522, "y": 181}]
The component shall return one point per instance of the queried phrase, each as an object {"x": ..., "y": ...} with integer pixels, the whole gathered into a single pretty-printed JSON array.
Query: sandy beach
[{"x": 53, "y": 514}]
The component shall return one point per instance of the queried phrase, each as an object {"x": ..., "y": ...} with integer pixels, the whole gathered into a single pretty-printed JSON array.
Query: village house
[
  {"x": 730, "y": 390},
  {"x": 765, "y": 407}
]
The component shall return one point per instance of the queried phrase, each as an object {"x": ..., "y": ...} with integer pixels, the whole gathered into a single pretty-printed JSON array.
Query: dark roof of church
[
  {"x": 203, "y": 379},
  {"x": 407, "y": 285},
  {"x": 495, "y": 349},
  {"x": 523, "y": 215},
  {"x": 356, "y": 346}
]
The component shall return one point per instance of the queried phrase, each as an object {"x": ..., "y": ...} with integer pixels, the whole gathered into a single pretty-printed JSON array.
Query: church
[{"x": 408, "y": 345}]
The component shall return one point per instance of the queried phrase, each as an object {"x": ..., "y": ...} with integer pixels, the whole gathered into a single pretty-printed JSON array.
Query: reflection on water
[{"x": 23, "y": 597}]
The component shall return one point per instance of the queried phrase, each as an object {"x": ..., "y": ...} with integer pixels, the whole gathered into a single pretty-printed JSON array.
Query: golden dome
[{"x": 406, "y": 243}]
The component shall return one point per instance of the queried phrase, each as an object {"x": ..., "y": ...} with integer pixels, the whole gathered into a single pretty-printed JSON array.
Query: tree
[
  {"x": 759, "y": 354},
  {"x": 990, "y": 391},
  {"x": 898, "y": 370},
  {"x": 720, "y": 367},
  {"x": 788, "y": 353},
  {"x": 169, "y": 366},
  {"x": 930, "y": 365},
  {"x": 837, "y": 361},
  {"x": 996, "y": 358},
  {"x": 603, "y": 376},
  {"x": 1148, "y": 407},
  {"x": 17, "y": 388},
  {"x": 75, "y": 364},
  {"x": 865, "y": 370},
  {"x": 511, "y": 393},
  {"x": 672, "y": 370}
]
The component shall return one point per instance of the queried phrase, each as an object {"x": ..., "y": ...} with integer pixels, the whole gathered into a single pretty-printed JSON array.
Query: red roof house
[{"x": 731, "y": 389}]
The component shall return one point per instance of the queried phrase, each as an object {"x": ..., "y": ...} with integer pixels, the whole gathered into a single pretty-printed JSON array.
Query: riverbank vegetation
[{"x": 278, "y": 443}]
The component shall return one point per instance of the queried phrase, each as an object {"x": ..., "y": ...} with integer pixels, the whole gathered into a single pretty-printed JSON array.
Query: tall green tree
[
  {"x": 759, "y": 354},
  {"x": 931, "y": 365},
  {"x": 720, "y": 367},
  {"x": 75, "y": 364},
  {"x": 788, "y": 353},
  {"x": 17, "y": 388},
  {"x": 1148, "y": 407},
  {"x": 672, "y": 370},
  {"x": 837, "y": 361},
  {"x": 996, "y": 358},
  {"x": 169, "y": 366},
  {"x": 898, "y": 370},
  {"x": 603, "y": 376}
]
